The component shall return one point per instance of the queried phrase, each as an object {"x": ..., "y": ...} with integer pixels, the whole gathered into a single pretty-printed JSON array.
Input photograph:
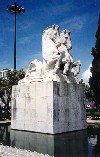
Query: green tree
[
  {"x": 12, "y": 78},
  {"x": 95, "y": 69},
  {"x": 89, "y": 93}
]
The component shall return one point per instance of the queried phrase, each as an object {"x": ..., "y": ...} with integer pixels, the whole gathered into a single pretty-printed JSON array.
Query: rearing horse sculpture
[
  {"x": 57, "y": 60},
  {"x": 55, "y": 51}
]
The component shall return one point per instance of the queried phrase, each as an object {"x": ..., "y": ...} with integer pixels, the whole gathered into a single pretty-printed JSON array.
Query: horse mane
[{"x": 53, "y": 27}]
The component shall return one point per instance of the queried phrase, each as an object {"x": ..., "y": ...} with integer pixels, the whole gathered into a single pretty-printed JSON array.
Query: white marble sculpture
[
  {"x": 50, "y": 99},
  {"x": 58, "y": 64}
]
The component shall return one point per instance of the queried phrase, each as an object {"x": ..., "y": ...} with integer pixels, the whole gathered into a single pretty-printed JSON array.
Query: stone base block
[{"x": 48, "y": 107}]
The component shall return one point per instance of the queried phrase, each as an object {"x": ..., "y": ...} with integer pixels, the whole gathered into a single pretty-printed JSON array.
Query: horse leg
[
  {"x": 76, "y": 66},
  {"x": 77, "y": 70},
  {"x": 66, "y": 68},
  {"x": 58, "y": 62}
]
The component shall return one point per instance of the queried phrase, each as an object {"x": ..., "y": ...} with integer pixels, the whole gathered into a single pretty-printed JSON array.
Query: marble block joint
[{"x": 48, "y": 107}]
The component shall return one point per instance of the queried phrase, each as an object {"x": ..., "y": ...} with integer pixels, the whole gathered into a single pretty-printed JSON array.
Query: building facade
[{"x": 3, "y": 73}]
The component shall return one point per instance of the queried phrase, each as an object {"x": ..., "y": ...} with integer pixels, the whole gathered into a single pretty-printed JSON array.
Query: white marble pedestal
[{"x": 48, "y": 107}]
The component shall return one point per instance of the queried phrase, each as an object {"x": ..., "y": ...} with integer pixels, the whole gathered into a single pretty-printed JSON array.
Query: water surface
[{"x": 84, "y": 143}]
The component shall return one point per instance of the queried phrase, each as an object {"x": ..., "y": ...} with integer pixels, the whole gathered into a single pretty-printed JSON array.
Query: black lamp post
[{"x": 16, "y": 10}]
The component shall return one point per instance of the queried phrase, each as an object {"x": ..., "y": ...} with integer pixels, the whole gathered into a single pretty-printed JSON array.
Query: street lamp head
[{"x": 14, "y": 9}]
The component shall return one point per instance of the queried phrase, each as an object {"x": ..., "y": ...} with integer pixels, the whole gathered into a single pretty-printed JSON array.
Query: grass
[{"x": 93, "y": 113}]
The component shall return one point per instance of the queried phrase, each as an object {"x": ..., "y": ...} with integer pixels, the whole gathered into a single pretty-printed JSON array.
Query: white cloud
[
  {"x": 54, "y": 8},
  {"x": 86, "y": 75},
  {"x": 25, "y": 24},
  {"x": 76, "y": 23},
  {"x": 25, "y": 40}
]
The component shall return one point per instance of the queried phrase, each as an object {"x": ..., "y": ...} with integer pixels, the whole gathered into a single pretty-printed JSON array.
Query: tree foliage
[
  {"x": 89, "y": 93},
  {"x": 12, "y": 78},
  {"x": 95, "y": 69}
]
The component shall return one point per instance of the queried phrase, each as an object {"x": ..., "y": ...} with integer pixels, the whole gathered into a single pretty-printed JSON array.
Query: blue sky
[{"x": 78, "y": 16}]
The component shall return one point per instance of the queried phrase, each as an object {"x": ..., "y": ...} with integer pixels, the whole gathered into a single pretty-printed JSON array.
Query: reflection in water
[
  {"x": 94, "y": 142},
  {"x": 74, "y": 144},
  {"x": 67, "y": 145},
  {"x": 5, "y": 134}
]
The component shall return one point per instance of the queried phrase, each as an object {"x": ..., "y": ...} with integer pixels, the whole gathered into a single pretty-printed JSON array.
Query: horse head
[
  {"x": 65, "y": 39},
  {"x": 51, "y": 32}
]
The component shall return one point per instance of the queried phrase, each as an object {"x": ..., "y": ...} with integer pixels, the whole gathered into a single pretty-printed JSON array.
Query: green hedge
[{"x": 92, "y": 113}]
